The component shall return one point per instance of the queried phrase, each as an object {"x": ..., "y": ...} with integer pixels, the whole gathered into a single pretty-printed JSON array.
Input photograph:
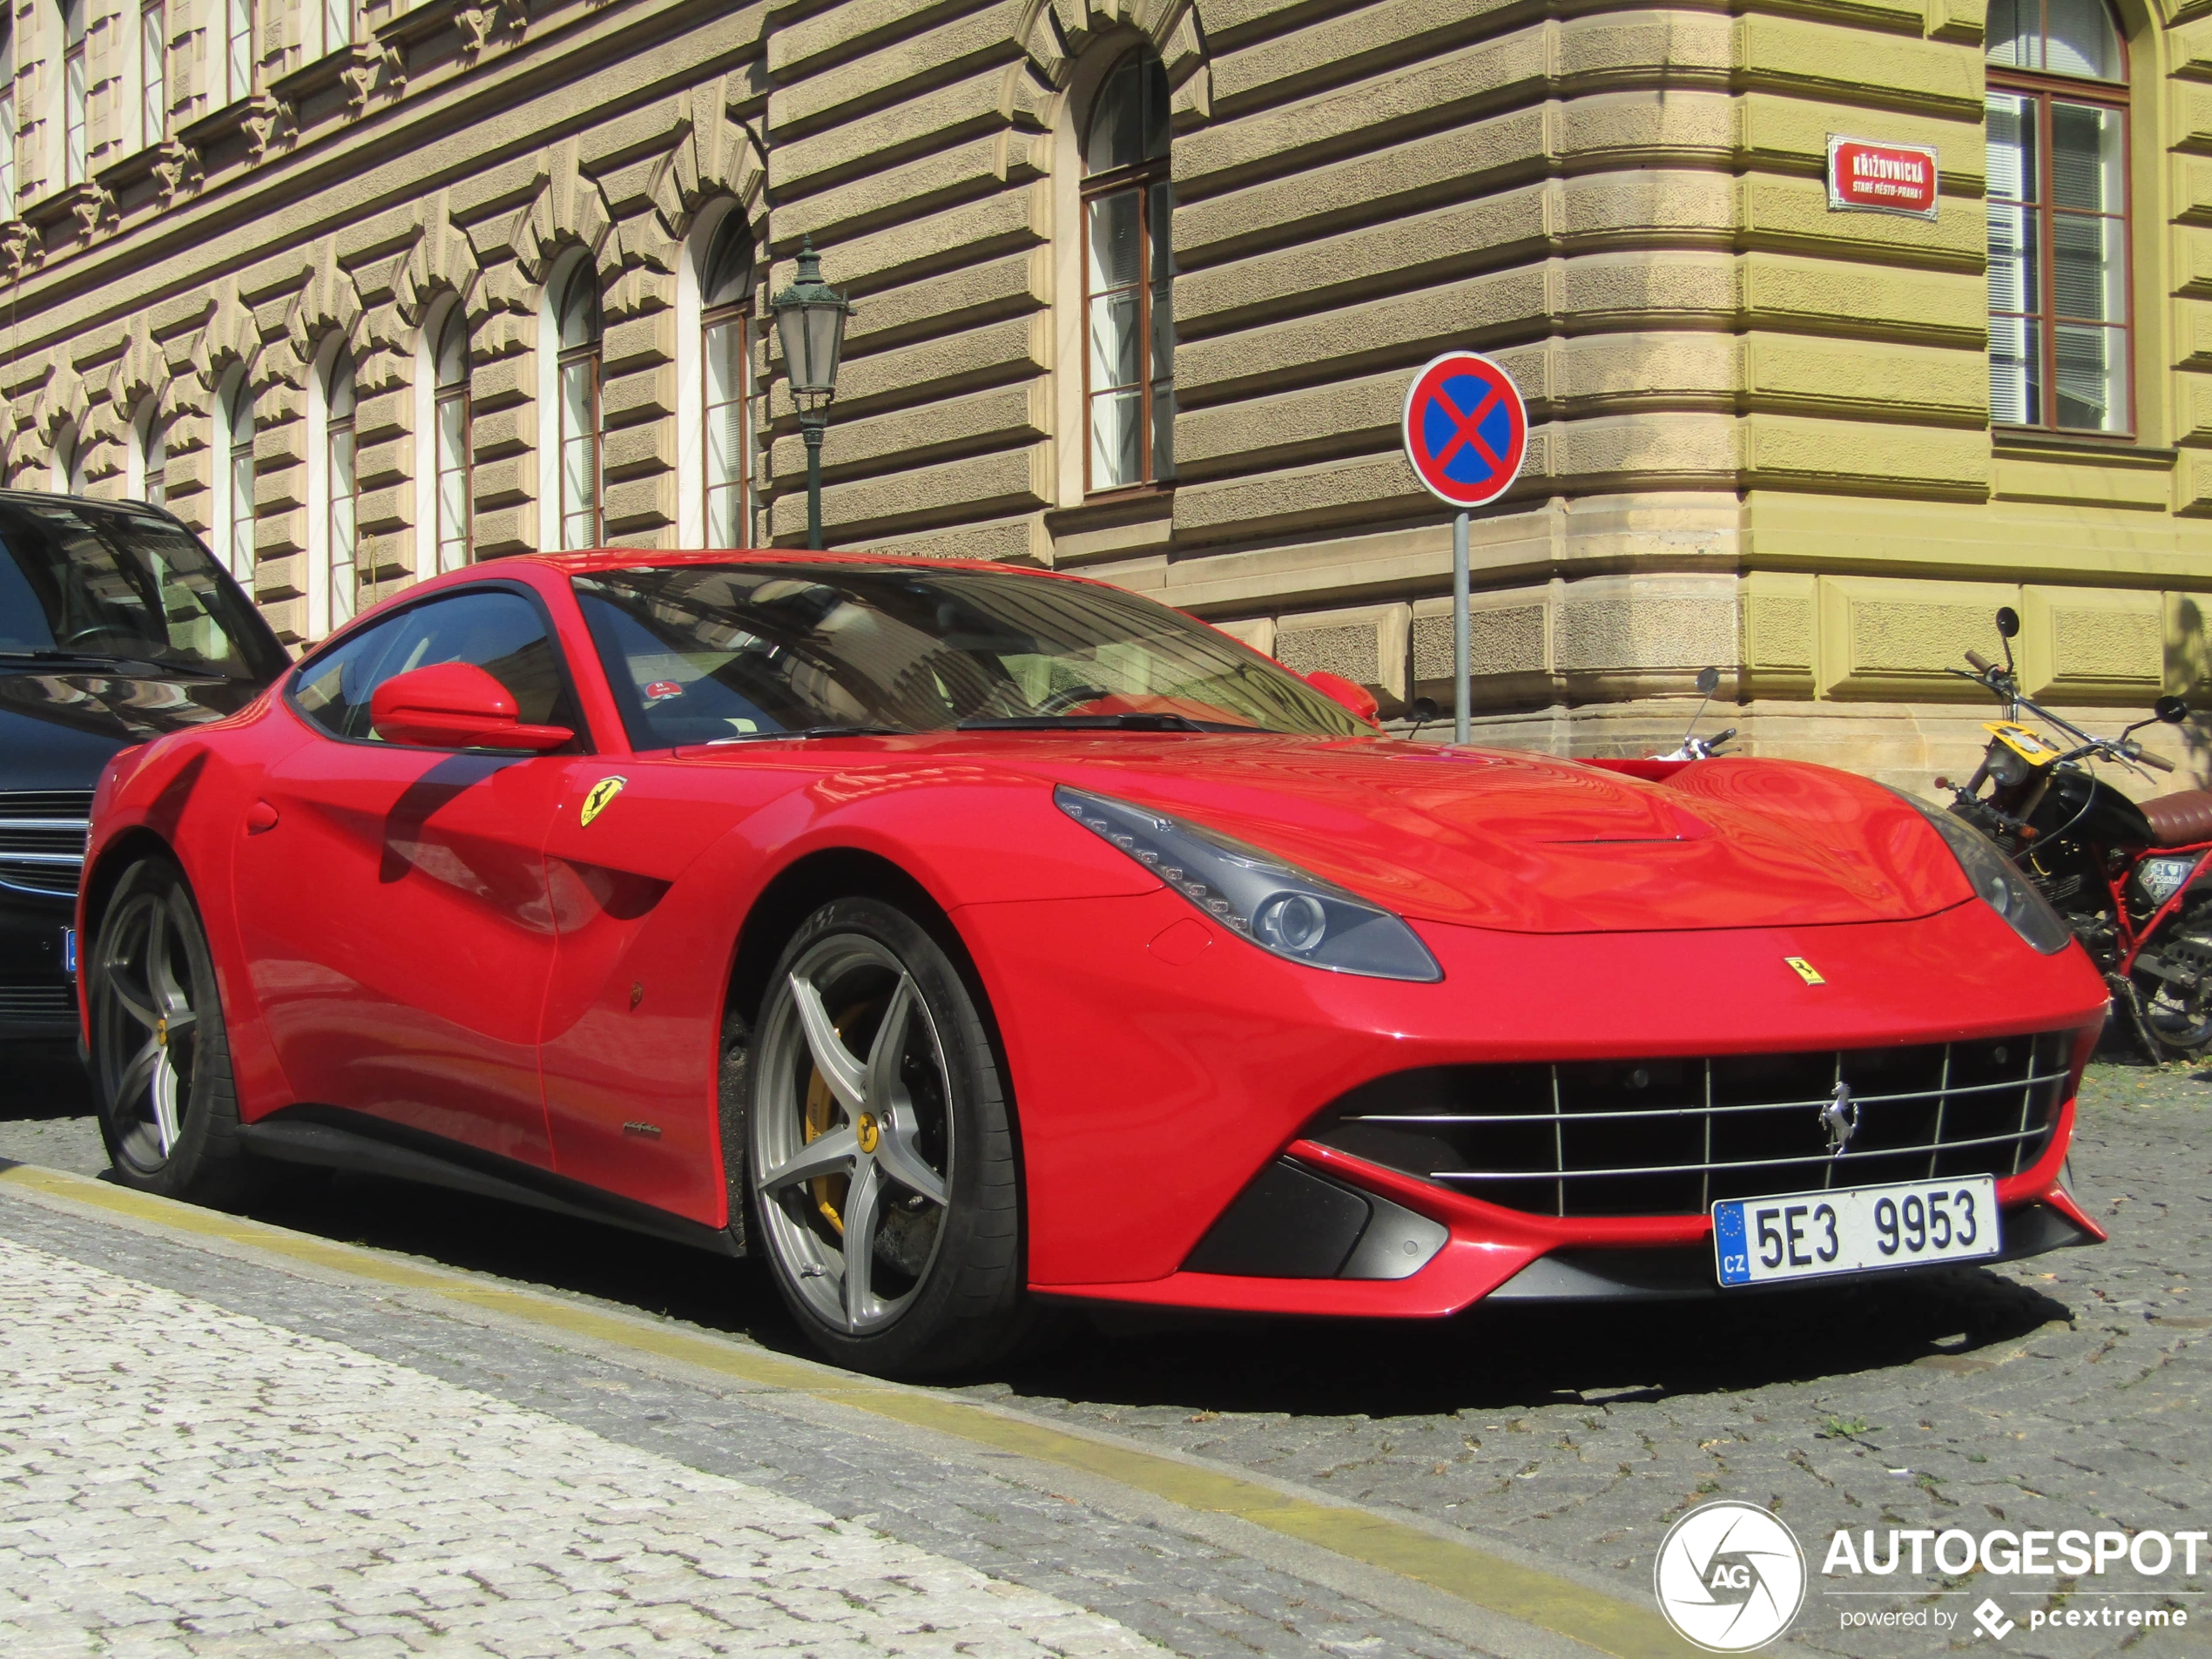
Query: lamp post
[{"x": 810, "y": 321}]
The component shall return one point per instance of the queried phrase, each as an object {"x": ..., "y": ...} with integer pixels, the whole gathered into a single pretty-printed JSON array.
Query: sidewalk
[{"x": 217, "y": 1437}]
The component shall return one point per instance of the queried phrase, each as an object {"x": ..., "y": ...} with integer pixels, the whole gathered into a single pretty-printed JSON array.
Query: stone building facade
[{"x": 362, "y": 289}]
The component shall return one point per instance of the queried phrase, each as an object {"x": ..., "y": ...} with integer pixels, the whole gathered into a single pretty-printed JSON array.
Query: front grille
[
  {"x": 41, "y": 840},
  {"x": 1666, "y": 1137},
  {"x": 40, "y": 1001}
]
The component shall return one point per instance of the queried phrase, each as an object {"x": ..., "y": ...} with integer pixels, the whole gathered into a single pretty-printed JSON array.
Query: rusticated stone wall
[{"x": 1761, "y": 428}]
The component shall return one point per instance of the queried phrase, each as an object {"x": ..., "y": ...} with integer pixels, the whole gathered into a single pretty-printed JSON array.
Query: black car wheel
[
  {"x": 878, "y": 1150},
  {"x": 161, "y": 1061}
]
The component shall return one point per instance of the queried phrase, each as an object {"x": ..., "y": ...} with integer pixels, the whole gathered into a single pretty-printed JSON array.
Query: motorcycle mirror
[
  {"x": 2008, "y": 621},
  {"x": 1709, "y": 680},
  {"x": 1423, "y": 709},
  {"x": 2171, "y": 710}
]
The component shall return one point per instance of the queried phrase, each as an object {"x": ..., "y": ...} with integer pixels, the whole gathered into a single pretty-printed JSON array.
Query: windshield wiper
[
  {"x": 1134, "y": 721},
  {"x": 814, "y": 732},
  {"x": 105, "y": 657}
]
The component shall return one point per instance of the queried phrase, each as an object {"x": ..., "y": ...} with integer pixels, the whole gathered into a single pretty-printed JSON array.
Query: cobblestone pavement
[
  {"x": 2064, "y": 1392},
  {"x": 183, "y": 1479}
]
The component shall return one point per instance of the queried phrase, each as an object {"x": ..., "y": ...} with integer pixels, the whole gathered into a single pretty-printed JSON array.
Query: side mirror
[
  {"x": 456, "y": 705},
  {"x": 2171, "y": 710},
  {"x": 1423, "y": 710},
  {"x": 1338, "y": 689},
  {"x": 2008, "y": 622},
  {"x": 1709, "y": 681}
]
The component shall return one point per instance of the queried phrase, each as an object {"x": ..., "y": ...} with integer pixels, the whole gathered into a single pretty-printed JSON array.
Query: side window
[{"x": 500, "y": 632}]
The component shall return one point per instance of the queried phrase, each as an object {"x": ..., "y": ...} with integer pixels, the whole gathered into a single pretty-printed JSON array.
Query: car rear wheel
[
  {"x": 878, "y": 1149},
  {"x": 161, "y": 1059}
]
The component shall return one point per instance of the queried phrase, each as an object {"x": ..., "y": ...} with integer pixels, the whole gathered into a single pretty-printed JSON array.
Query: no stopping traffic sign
[{"x": 1467, "y": 429}]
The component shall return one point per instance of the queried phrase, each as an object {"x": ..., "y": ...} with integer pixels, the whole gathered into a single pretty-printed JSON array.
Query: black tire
[
  {"x": 912, "y": 1144},
  {"x": 160, "y": 1055}
]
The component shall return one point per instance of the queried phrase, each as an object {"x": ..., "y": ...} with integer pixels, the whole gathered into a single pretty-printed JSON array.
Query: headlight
[
  {"x": 1276, "y": 906},
  {"x": 1997, "y": 882},
  {"x": 2006, "y": 764}
]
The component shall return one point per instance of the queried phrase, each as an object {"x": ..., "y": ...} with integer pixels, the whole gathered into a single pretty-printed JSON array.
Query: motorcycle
[
  {"x": 2127, "y": 875},
  {"x": 1693, "y": 746}
]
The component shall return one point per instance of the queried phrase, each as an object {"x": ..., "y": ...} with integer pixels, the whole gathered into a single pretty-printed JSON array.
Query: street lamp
[{"x": 810, "y": 321}]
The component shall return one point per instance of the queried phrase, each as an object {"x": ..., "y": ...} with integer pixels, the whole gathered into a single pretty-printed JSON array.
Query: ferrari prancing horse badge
[{"x": 596, "y": 803}]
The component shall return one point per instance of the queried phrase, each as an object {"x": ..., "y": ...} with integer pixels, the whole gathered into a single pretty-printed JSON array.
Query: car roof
[{"x": 55, "y": 498}]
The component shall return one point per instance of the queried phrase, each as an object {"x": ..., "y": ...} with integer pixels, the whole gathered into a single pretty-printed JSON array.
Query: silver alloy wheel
[
  {"x": 151, "y": 1034},
  {"x": 858, "y": 1255}
]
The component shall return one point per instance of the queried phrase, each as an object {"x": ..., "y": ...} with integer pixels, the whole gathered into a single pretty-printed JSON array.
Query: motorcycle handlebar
[
  {"x": 2159, "y": 762},
  {"x": 1980, "y": 662}
]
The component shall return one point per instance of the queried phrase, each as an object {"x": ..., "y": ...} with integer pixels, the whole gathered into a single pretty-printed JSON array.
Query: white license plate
[{"x": 1854, "y": 1229}]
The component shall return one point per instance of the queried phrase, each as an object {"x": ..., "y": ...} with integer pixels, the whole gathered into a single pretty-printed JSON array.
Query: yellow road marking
[{"x": 1458, "y": 1569}]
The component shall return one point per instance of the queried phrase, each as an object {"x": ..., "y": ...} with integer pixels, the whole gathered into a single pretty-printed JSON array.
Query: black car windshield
[
  {"x": 85, "y": 582},
  {"x": 707, "y": 653}
]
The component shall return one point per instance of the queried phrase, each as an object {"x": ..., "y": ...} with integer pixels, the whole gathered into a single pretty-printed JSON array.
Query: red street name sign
[{"x": 1866, "y": 177}]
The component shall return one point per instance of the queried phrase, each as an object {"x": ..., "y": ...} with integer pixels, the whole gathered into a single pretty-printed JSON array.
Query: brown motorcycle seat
[{"x": 2179, "y": 819}]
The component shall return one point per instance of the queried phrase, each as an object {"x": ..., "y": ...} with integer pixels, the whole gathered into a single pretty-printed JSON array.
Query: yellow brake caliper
[{"x": 822, "y": 1114}]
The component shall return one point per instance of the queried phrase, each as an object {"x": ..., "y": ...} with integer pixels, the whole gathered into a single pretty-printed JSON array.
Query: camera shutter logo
[{"x": 1730, "y": 1576}]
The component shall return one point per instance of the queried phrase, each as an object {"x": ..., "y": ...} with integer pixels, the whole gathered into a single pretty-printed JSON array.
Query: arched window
[
  {"x": 1129, "y": 309},
  {"x": 341, "y": 493},
  {"x": 73, "y": 89},
  {"x": 574, "y": 317},
  {"x": 145, "y": 470},
  {"x": 69, "y": 460},
  {"x": 452, "y": 528},
  {"x": 153, "y": 72},
  {"x": 725, "y": 294},
  {"x": 2059, "y": 295},
  {"x": 232, "y": 441}
]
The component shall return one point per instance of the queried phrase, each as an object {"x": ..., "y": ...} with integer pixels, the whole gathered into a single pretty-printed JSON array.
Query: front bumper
[{"x": 1155, "y": 1081}]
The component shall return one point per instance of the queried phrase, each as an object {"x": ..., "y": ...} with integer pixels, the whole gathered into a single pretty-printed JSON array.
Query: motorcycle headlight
[
  {"x": 2159, "y": 879},
  {"x": 1277, "y": 906},
  {"x": 2006, "y": 764},
  {"x": 1996, "y": 880}
]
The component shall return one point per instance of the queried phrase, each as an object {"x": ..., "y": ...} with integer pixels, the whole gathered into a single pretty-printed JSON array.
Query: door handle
[{"x": 258, "y": 817}]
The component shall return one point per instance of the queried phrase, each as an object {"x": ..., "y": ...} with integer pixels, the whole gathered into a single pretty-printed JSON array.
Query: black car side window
[{"x": 500, "y": 632}]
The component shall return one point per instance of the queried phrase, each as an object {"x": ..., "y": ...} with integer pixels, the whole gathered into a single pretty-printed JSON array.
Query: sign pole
[
  {"x": 1466, "y": 431},
  {"x": 1462, "y": 668}
]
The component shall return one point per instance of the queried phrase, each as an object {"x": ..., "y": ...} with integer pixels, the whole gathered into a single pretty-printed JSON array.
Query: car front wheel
[
  {"x": 878, "y": 1149},
  {"x": 161, "y": 1059}
]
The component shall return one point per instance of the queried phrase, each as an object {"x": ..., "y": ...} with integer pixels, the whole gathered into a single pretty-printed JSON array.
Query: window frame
[
  {"x": 591, "y": 353},
  {"x": 76, "y": 92},
  {"x": 586, "y": 740},
  {"x": 442, "y": 396},
  {"x": 1140, "y": 176},
  {"x": 8, "y": 114},
  {"x": 337, "y": 429},
  {"x": 238, "y": 78},
  {"x": 153, "y": 72},
  {"x": 239, "y": 513},
  {"x": 2041, "y": 87}
]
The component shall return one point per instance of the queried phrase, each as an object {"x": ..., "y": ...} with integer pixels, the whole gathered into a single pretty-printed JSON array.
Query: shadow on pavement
[
  {"x": 43, "y": 1081},
  {"x": 1484, "y": 1359}
]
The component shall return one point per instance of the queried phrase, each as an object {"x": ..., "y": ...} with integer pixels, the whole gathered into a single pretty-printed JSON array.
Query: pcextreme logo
[
  {"x": 596, "y": 803},
  {"x": 1730, "y": 1576}
]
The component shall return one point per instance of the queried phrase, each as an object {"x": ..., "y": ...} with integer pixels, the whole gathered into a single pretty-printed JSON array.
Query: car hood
[
  {"x": 1527, "y": 843},
  {"x": 58, "y": 729}
]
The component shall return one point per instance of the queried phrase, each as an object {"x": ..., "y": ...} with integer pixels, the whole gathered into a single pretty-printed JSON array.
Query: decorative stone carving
[
  {"x": 715, "y": 155},
  {"x": 568, "y": 208},
  {"x": 176, "y": 170},
  {"x": 373, "y": 69},
  {"x": 442, "y": 258},
  {"x": 268, "y": 125},
  {"x": 20, "y": 249}
]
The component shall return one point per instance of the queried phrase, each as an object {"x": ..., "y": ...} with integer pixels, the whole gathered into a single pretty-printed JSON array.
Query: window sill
[
  {"x": 1124, "y": 523},
  {"x": 2030, "y": 441}
]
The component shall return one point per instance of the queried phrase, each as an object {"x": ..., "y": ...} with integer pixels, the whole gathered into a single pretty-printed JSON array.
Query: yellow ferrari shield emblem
[
  {"x": 596, "y": 803},
  {"x": 1806, "y": 971}
]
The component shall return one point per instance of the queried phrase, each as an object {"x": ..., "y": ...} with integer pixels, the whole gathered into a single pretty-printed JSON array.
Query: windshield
[
  {"x": 707, "y": 653},
  {"x": 82, "y": 582}
]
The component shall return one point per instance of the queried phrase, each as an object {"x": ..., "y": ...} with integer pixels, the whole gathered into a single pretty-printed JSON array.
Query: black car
[{"x": 116, "y": 625}]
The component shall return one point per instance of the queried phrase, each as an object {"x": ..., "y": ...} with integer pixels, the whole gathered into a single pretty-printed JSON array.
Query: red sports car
[{"x": 963, "y": 938}]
